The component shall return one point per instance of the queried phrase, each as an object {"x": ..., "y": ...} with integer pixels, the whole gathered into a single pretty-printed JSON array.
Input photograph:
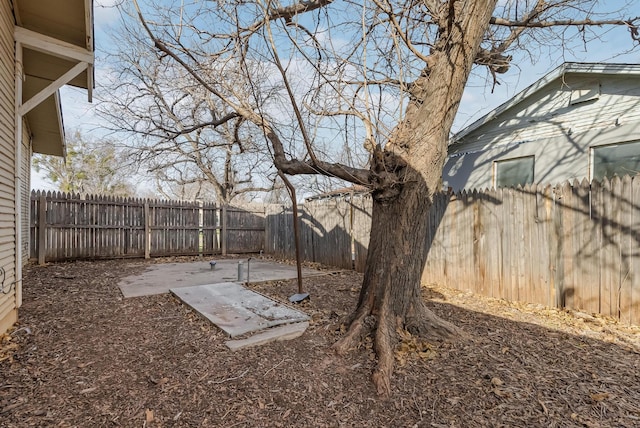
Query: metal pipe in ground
[
  {"x": 240, "y": 271},
  {"x": 296, "y": 298}
]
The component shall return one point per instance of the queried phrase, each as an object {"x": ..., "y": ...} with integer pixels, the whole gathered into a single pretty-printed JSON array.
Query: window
[
  {"x": 617, "y": 159},
  {"x": 513, "y": 172}
]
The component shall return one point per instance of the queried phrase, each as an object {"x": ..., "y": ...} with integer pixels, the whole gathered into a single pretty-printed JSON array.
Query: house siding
[
  {"x": 25, "y": 190},
  {"x": 548, "y": 127},
  {"x": 8, "y": 311}
]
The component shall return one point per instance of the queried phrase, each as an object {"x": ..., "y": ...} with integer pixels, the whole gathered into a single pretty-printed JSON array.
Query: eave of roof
[
  {"x": 70, "y": 21},
  {"x": 566, "y": 68}
]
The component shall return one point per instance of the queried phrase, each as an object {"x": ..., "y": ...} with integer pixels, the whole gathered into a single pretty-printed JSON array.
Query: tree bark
[
  {"x": 409, "y": 173},
  {"x": 391, "y": 296}
]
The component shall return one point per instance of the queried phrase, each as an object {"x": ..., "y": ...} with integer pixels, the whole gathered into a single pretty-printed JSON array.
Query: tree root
[
  {"x": 426, "y": 324},
  {"x": 385, "y": 341},
  {"x": 383, "y": 323},
  {"x": 358, "y": 330}
]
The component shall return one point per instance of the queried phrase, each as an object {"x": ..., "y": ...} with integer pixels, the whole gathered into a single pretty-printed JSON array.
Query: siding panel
[
  {"x": 7, "y": 166},
  {"x": 546, "y": 125},
  {"x": 25, "y": 191}
]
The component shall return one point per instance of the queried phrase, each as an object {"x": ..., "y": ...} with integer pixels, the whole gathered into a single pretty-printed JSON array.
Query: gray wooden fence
[
  {"x": 575, "y": 245},
  {"x": 334, "y": 231},
  {"x": 67, "y": 227}
]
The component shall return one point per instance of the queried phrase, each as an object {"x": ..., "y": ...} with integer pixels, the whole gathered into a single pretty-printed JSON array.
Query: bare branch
[
  {"x": 630, "y": 23},
  {"x": 287, "y": 13}
]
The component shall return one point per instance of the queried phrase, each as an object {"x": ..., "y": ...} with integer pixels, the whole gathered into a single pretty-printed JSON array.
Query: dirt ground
[{"x": 83, "y": 356}]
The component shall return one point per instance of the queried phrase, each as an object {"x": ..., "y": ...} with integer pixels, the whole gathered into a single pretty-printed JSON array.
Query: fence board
[
  {"x": 606, "y": 249},
  {"x": 626, "y": 248},
  {"x": 617, "y": 259},
  {"x": 574, "y": 245},
  {"x": 361, "y": 225},
  {"x": 633, "y": 304},
  {"x": 66, "y": 226}
]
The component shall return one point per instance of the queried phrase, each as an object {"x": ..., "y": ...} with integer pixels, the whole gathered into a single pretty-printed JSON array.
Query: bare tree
[
  {"x": 384, "y": 75},
  {"x": 191, "y": 143},
  {"x": 90, "y": 166}
]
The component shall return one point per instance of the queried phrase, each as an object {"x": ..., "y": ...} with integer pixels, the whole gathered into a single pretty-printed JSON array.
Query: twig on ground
[
  {"x": 229, "y": 379},
  {"x": 277, "y": 365}
]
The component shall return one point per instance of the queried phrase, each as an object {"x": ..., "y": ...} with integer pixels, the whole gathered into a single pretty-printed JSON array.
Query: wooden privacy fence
[
  {"x": 334, "y": 231},
  {"x": 67, "y": 227},
  {"x": 575, "y": 246}
]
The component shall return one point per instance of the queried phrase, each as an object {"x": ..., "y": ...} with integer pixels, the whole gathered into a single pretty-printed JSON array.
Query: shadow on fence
[
  {"x": 334, "y": 231},
  {"x": 574, "y": 245}
]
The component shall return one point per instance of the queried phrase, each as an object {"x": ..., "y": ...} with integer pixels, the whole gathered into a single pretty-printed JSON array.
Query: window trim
[
  {"x": 494, "y": 179},
  {"x": 592, "y": 154}
]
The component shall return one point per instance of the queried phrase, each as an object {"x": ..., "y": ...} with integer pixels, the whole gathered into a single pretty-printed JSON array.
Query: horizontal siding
[
  {"x": 7, "y": 243},
  {"x": 7, "y": 308},
  {"x": 549, "y": 113},
  {"x": 6, "y": 173},
  {"x": 7, "y": 164},
  {"x": 7, "y": 202},
  {"x": 7, "y": 301},
  {"x": 6, "y": 217},
  {"x": 25, "y": 192}
]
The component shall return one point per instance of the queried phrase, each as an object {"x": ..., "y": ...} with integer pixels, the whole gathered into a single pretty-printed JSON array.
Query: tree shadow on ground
[{"x": 90, "y": 355}]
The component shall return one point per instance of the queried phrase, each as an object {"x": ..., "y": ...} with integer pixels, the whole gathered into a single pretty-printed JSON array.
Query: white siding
[
  {"x": 7, "y": 168},
  {"x": 547, "y": 126},
  {"x": 25, "y": 191}
]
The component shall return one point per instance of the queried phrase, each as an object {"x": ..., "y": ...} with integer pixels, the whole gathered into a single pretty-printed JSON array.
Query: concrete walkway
[
  {"x": 217, "y": 295},
  {"x": 237, "y": 310},
  {"x": 160, "y": 278}
]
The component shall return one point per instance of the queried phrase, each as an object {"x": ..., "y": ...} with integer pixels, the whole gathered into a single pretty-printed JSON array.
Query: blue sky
[{"x": 477, "y": 100}]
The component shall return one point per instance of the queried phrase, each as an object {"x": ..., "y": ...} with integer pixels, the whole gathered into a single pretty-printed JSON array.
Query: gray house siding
[
  {"x": 557, "y": 124},
  {"x": 8, "y": 306}
]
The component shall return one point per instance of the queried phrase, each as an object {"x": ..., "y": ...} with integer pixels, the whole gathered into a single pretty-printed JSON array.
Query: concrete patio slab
[
  {"x": 283, "y": 332},
  {"x": 160, "y": 278},
  {"x": 236, "y": 309}
]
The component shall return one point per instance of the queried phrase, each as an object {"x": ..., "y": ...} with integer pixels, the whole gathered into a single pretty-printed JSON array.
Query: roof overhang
[
  {"x": 562, "y": 70},
  {"x": 56, "y": 37}
]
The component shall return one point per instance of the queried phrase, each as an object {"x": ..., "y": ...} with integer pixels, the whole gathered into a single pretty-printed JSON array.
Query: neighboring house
[
  {"x": 43, "y": 46},
  {"x": 580, "y": 121}
]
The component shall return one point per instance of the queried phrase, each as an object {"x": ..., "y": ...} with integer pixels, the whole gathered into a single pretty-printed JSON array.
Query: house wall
[
  {"x": 25, "y": 190},
  {"x": 548, "y": 127},
  {"x": 8, "y": 311}
]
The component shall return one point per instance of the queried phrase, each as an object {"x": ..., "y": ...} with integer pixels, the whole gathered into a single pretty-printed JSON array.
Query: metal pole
[
  {"x": 296, "y": 233},
  {"x": 240, "y": 271}
]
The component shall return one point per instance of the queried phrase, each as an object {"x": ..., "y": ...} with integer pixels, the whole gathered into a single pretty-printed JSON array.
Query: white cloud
[{"x": 105, "y": 12}]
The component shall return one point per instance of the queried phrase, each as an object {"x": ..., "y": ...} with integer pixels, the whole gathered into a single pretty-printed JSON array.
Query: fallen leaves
[
  {"x": 600, "y": 396},
  {"x": 496, "y": 381},
  {"x": 412, "y": 347},
  {"x": 7, "y": 347},
  {"x": 536, "y": 368}
]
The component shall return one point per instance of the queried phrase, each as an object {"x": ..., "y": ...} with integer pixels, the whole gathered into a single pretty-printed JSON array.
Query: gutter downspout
[{"x": 19, "y": 75}]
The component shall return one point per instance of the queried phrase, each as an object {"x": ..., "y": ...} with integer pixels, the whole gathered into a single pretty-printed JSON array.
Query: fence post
[
  {"x": 147, "y": 232},
  {"x": 42, "y": 228},
  {"x": 223, "y": 233},
  {"x": 200, "y": 227}
]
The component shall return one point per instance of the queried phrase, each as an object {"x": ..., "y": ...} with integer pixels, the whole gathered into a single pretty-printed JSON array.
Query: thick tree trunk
[
  {"x": 408, "y": 173},
  {"x": 391, "y": 295}
]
